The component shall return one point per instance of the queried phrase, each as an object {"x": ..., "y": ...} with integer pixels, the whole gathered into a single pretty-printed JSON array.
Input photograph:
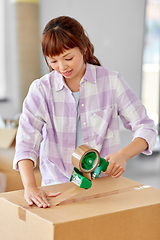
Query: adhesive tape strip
[
  {"x": 66, "y": 195},
  {"x": 104, "y": 194},
  {"x": 22, "y": 213},
  {"x": 80, "y": 153}
]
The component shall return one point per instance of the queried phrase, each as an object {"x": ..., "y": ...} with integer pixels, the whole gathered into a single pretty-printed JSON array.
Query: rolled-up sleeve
[
  {"x": 29, "y": 134},
  {"x": 134, "y": 116}
]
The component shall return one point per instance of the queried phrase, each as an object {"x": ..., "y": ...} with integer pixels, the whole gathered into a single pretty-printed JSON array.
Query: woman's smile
[{"x": 67, "y": 73}]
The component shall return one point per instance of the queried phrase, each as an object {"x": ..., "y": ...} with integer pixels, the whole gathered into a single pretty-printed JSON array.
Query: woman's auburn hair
[{"x": 63, "y": 33}]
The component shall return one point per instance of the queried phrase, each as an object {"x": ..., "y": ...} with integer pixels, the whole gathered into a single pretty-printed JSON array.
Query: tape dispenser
[{"x": 87, "y": 166}]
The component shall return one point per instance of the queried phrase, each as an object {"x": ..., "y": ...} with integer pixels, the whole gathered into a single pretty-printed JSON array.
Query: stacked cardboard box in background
[
  {"x": 3, "y": 182},
  {"x": 7, "y": 151}
]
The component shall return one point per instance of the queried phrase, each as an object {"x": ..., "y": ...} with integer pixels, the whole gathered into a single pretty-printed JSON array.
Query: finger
[
  {"x": 107, "y": 158},
  {"x": 43, "y": 196},
  {"x": 51, "y": 194},
  {"x": 113, "y": 169},
  {"x": 109, "y": 168},
  {"x": 43, "y": 200},
  {"x": 29, "y": 201},
  {"x": 116, "y": 169},
  {"x": 37, "y": 202},
  {"x": 118, "y": 173}
]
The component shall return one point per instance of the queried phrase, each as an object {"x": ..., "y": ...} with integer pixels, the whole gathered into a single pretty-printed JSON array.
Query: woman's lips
[{"x": 67, "y": 73}]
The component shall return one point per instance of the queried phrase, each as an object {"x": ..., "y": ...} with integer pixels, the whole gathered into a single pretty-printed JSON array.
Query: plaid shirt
[{"x": 47, "y": 126}]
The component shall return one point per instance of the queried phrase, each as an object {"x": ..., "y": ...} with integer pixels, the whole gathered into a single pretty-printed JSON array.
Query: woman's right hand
[{"x": 35, "y": 195}]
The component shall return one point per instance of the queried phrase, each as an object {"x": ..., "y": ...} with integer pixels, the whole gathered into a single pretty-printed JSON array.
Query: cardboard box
[
  {"x": 2, "y": 182},
  {"x": 6, "y": 158},
  {"x": 126, "y": 211},
  {"x": 7, "y": 137},
  {"x": 13, "y": 178},
  {"x": 14, "y": 182},
  {"x": 7, "y": 151}
]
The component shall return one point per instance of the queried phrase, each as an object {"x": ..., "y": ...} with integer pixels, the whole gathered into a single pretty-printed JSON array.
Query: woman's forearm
[
  {"x": 117, "y": 161},
  {"x": 27, "y": 174},
  {"x": 137, "y": 146}
]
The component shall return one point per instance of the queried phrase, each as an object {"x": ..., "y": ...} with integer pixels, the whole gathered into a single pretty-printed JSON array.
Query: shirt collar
[
  {"x": 58, "y": 81},
  {"x": 90, "y": 75}
]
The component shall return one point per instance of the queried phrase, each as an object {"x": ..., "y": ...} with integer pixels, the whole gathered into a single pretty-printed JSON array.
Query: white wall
[
  {"x": 115, "y": 27},
  {"x": 10, "y": 64},
  {"x": 2, "y": 51}
]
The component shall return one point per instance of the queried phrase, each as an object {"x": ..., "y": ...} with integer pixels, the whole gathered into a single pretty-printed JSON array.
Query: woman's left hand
[{"x": 117, "y": 164}]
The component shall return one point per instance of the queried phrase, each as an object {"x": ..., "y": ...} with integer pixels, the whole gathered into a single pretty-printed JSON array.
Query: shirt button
[
  {"x": 82, "y": 105},
  {"x": 84, "y": 123},
  {"x": 87, "y": 143}
]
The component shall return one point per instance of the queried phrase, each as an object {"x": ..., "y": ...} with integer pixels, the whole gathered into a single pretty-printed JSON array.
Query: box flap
[{"x": 7, "y": 136}]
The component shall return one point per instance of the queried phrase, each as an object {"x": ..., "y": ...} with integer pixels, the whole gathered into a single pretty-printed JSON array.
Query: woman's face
[{"x": 70, "y": 64}]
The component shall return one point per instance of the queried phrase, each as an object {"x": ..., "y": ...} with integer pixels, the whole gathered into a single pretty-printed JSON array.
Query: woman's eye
[{"x": 69, "y": 59}]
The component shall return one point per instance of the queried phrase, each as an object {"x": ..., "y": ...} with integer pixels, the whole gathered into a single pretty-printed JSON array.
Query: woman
[{"x": 78, "y": 102}]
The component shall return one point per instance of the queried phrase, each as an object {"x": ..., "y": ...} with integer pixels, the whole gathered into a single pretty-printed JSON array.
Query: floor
[{"x": 144, "y": 169}]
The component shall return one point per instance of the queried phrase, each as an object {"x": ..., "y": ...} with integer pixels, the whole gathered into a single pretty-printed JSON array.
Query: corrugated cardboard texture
[{"x": 124, "y": 215}]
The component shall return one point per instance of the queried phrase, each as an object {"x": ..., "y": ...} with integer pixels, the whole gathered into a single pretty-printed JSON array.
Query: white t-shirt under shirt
[{"x": 79, "y": 136}]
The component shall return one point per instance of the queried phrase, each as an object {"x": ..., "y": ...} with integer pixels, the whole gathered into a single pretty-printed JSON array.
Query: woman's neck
[{"x": 74, "y": 83}]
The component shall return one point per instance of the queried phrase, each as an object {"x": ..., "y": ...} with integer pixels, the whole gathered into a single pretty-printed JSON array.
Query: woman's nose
[{"x": 62, "y": 66}]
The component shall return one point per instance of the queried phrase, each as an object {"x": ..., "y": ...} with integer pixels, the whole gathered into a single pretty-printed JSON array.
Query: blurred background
[{"x": 126, "y": 37}]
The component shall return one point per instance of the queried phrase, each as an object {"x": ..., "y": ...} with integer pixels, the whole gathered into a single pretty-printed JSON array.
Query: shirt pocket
[{"x": 101, "y": 123}]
